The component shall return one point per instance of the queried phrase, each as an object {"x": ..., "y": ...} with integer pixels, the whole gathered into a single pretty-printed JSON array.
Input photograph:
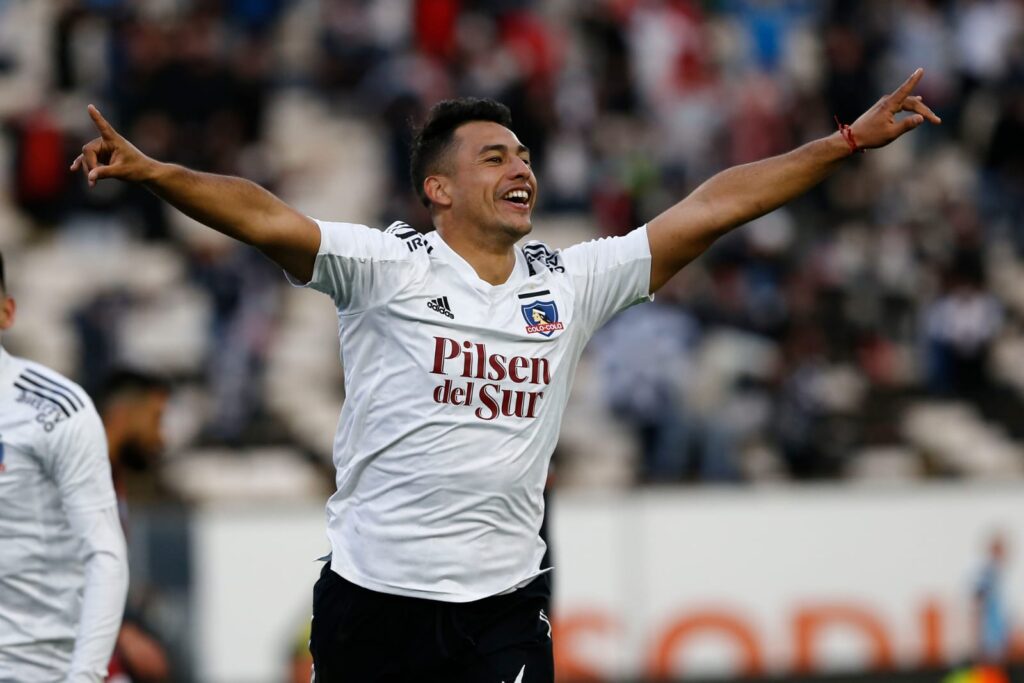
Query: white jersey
[
  {"x": 455, "y": 390},
  {"x": 57, "y": 513}
]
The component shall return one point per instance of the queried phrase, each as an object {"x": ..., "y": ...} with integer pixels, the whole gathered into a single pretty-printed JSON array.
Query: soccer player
[
  {"x": 63, "y": 563},
  {"x": 459, "y": 348}
]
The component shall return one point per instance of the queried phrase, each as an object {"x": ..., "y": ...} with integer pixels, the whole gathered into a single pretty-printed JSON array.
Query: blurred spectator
[
  {"x": 242, "y": 285},
  {"x": 132, "y": 407},
  {"x": 1004, "y": 163},
  {"x": 646, "y": 356},
  {"x": 39, "y": 171},
  {"x": 991, "y": 609},
  {"x": 960, "y": 327}
]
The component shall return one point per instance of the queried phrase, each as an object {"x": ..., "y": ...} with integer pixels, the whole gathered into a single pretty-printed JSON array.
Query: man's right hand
[{"x": 112, "y": 156}]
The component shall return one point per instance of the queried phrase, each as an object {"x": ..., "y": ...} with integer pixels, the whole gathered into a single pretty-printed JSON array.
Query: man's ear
[
  {"x": 436, "y": 188},
  {"x": 7, "y": 309}
]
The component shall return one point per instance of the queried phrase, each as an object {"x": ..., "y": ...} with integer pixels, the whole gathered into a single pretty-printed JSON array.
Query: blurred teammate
[
  {"x": 132, "y": 406},
  {"x": 63, "y": 564},
  {"x": 459, "y": 349}
]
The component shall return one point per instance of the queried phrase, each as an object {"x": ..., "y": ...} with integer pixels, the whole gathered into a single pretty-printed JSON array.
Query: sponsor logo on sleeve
[
  {"x": 53, "y": 401},
  {"x": 410, "y": 236}
]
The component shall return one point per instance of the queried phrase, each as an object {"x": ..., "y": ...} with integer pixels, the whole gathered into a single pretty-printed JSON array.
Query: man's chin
[{"x": 519, "y": 229}]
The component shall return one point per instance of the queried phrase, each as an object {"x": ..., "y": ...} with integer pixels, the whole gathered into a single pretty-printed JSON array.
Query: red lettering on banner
[
  {"x": 931, "y": 635},
  {"x": 751, "y": 662},
  {"x": 808, "y": 625},
  {"x": 809, "y": 622},
  {"x": 566, "y": 634}
]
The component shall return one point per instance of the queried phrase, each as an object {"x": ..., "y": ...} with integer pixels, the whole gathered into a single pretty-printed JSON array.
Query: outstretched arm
[
  {"x": 741, "y": 194},
  {"x": 234, "y": 206}
]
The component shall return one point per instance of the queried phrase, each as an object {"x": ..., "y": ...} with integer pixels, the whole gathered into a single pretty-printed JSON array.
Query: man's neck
[{"x": 493, "y": 260}]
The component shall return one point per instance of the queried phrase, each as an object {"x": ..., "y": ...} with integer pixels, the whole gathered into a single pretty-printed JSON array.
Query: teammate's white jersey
[
  {"x": 58, "y": 515},
  {"x": 455, "y": 391}
]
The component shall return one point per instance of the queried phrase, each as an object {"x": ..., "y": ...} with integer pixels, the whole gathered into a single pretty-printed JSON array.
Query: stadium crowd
[{"x": 869, "y": 330}]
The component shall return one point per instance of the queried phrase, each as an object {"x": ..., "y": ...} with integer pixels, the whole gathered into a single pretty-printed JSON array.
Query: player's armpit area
[{"x": 294, "y": 246}]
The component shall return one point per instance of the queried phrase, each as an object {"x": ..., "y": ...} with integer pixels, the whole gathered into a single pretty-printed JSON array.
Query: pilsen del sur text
[{"x": 483, "y": 372}]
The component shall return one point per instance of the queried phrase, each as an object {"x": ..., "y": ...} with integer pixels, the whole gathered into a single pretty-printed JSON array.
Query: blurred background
[{"x": 803, "y": 461}]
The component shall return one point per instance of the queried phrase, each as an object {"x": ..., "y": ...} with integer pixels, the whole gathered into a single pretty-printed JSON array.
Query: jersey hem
[{"x": 352, "y": 576}]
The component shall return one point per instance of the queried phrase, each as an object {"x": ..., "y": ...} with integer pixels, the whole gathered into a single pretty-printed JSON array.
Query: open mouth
[{"x": 520, "y": 198}]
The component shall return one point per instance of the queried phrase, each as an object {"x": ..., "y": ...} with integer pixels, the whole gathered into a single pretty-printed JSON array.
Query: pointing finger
[
  {"x": 105, "y": 129},
  {"x": 908, "y": 85}
]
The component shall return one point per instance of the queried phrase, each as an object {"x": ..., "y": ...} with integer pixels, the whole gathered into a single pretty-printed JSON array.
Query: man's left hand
[{"x": 878, "y": 126}]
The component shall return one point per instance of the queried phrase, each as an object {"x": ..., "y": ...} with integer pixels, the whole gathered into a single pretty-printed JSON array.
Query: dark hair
[
  {"x": 434, "y": 139},
  {"x": 124, "y": 383},
  {"x": 3, "y": 283}
]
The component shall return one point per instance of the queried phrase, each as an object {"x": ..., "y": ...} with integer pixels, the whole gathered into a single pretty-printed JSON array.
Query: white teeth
[{"x": 517, "y": 194}]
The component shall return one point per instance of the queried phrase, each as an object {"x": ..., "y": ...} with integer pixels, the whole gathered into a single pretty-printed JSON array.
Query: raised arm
[
  {"x": 741, "y": 194},
  {"x": 236, "y": 207}
]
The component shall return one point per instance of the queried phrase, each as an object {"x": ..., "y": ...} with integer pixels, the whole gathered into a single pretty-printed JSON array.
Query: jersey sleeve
[
  {"x": 357, "y": 266},
  {"x": 78, "y": 461},
  {"x": 610, "y": 274},
  {"x": 103, "y": 597}
]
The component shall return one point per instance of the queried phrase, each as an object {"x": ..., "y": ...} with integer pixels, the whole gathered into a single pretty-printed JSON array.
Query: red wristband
[{"x": 847, "y": 134}]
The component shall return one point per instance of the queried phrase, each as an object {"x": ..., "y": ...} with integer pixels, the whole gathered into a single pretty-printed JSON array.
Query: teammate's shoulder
[
  {"x": 50, "y": 387},
  {"x": 540, "y": 256},
  {"x": 410, "y": 237}
]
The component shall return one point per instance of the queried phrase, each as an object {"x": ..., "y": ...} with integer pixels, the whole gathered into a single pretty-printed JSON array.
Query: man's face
[
  {"x": 491, "y": 183},
  {"x": 144, "y": 415}
]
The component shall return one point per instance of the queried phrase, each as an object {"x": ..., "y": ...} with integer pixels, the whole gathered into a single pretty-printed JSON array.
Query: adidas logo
[{"x": 440, "y": 304}]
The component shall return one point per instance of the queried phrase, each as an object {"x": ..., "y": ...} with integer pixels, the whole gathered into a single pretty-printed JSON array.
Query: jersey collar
[{"x": 519, "y": 272}]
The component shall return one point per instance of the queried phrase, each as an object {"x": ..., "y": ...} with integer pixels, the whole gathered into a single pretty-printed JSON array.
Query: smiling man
[{"x": 459, "y": 349}]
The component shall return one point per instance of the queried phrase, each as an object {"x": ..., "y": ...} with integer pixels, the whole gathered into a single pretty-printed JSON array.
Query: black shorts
[{"x": 362, "y": 636}]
